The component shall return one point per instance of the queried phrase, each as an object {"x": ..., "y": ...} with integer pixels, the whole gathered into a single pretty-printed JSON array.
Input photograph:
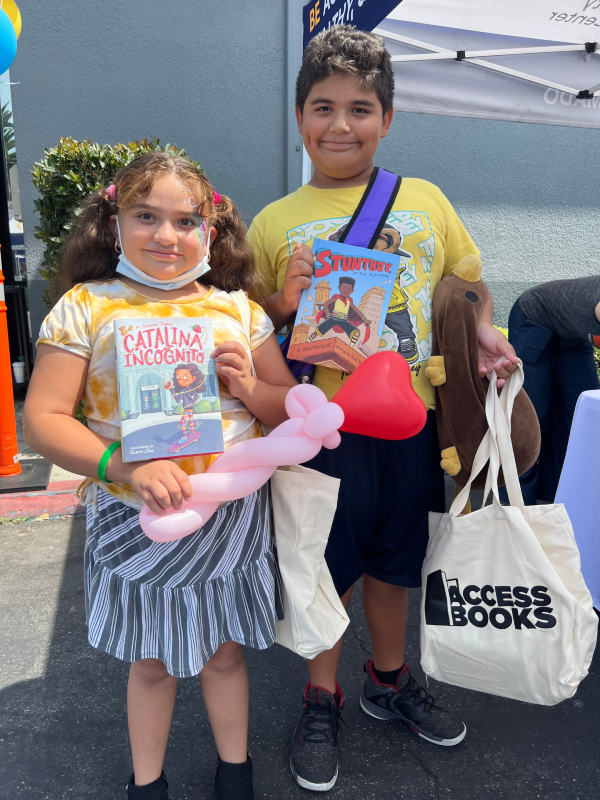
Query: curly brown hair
[
  {"x": 89, "y": 253},
  {"x": 344, "y": 50},
  {"x": 197, "y": 374}
]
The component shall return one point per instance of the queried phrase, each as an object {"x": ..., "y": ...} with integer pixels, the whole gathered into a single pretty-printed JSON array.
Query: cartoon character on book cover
[
  {"x": 187, "y": 387},
  {"x": 340, "y": 313}
]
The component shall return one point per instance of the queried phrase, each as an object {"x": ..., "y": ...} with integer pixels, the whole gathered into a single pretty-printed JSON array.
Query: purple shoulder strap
[{"x": 376, "y": 203}]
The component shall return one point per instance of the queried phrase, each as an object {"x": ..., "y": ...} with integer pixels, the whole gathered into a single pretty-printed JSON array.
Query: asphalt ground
[{"x": 63, "y": 730}]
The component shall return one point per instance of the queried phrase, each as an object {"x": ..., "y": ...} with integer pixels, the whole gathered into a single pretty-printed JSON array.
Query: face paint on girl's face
[
  {"x": 164, "y": 237},
  {"x": 201, "y": 234}
]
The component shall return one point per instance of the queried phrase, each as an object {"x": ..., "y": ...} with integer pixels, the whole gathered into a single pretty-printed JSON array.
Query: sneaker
[
  {"x": 313, "y": 756},
  {"x": 411, "y": 704}
]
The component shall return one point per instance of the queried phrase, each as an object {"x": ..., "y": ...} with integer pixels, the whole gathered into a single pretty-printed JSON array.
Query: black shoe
[
  {"x": 234, "y": 781},
  {"x": 411, "y": 704},
  {"x": 157, "y": 790},
  {"x": 313, "y": 756}
]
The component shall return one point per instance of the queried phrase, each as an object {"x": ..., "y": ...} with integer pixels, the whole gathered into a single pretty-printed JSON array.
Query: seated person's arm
[{"x": 282, "y": 305}]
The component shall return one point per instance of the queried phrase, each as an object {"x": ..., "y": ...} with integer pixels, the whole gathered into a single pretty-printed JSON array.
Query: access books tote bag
[
  {"x": 505, "y": 609},
  {"x": 304, "y": 503}
]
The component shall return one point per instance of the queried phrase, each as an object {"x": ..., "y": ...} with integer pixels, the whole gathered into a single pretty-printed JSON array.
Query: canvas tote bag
[
  {"x": 304, "y": 503},
  {"x": 505, "y": 609}
]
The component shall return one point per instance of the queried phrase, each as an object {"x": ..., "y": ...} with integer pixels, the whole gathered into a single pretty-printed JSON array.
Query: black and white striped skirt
[{"x": 179, "y": 601}]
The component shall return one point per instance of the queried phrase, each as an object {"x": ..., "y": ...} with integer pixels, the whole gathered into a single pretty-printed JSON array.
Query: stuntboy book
[
  {"x": 168, "y": 388},
  {"x": 341, "y": 315}
]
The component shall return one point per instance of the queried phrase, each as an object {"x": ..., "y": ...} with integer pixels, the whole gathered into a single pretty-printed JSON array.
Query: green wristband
[{"x": 105, "y": 459}]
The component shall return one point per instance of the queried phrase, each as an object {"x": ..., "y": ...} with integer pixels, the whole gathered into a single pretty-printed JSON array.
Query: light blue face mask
[{"x": 129, "y": 270}]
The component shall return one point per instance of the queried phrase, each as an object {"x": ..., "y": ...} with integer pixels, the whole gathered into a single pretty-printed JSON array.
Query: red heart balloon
[{"x": 378, "y": 399}]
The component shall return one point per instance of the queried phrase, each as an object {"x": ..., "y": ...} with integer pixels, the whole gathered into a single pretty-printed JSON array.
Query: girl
[{"x": 141, "y": 248}]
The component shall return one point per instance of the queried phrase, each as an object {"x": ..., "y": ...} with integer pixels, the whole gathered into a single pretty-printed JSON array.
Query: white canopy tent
[{"x": 515, "y": 60}]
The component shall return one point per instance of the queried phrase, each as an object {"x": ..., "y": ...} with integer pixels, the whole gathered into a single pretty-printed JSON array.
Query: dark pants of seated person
[{"x": 556, "y": 373}]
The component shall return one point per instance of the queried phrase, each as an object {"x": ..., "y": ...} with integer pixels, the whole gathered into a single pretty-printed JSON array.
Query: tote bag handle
[{"x": 496, "y": 446}]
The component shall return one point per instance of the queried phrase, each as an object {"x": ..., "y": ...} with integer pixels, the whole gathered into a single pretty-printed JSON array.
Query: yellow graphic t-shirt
[
  {"x": 422, "y": 228},
  {"x": 82, "y": 323}
]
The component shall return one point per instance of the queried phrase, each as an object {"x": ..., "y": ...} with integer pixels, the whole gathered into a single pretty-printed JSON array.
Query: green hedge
[{"x": 66, "y": 175}]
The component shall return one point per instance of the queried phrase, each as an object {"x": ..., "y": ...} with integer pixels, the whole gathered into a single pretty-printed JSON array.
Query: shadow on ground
[{"x": 63, "y": 735}]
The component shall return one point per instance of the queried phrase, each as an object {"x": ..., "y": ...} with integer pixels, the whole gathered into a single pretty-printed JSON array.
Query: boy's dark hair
[
  {"x": 344, "y": 50},
  {"x": 351, "y": 281}
]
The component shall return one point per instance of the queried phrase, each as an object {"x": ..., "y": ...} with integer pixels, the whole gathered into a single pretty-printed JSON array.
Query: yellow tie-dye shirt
[{"x": 82, "y": 323}]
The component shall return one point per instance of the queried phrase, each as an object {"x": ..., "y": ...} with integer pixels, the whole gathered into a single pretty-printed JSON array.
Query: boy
[{"x": 344, "y": 95}]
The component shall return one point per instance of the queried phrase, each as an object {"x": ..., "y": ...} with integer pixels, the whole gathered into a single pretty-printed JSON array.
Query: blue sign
[{"x": 318, "y": 15}]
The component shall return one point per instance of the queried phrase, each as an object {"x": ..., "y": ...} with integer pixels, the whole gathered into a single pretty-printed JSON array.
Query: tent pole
[
  {"x": 517, "y": 51},
  {"x": 442, "y": 52}
]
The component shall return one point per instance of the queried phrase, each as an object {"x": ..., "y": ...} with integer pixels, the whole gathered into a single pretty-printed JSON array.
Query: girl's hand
[
  {"x": 297, "y": 277},
  {"x": 233, "y": 368},
  {"x": 492, "y": 345},
  {"x": 167, "y": 385},
  {"x": 160, "y": 484}
]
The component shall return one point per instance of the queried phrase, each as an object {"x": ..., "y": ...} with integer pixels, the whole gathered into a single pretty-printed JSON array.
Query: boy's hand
[
  {"x": 233, "y": 367},
  {"x": 160, "y": 484},
  {"x": 492, "y": 345},
  {"x": 297, "y": 277}
]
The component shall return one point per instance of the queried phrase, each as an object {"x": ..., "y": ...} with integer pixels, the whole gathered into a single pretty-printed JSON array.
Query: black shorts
[{"x": 387, "y": 490}]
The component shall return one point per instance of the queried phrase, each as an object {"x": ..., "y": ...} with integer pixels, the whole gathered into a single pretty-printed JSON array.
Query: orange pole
[{"x": 9, "y": 449}]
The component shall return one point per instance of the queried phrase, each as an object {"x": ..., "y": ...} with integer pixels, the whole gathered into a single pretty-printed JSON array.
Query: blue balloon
[{"x": 8, "y": 42}]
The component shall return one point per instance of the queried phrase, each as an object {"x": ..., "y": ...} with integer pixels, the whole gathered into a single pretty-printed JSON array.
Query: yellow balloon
[{"x": 11, "y": 10}]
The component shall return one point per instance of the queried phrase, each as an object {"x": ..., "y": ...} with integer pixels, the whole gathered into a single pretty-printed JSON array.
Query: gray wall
[
  {"x": 210, "y": 76},
  {"x": 529, "y": 195}
]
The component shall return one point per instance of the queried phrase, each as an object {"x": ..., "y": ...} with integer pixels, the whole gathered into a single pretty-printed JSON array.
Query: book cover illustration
[
  {"x": 341, "y": 315},
  {"x": 168, "y": 388}
]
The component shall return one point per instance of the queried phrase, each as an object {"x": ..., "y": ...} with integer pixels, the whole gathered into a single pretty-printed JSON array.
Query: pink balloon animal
[{"x": 247, "y": 466}]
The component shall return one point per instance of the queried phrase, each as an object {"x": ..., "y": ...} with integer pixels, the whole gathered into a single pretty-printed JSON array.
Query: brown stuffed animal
[{"x": 454, "y": 370}]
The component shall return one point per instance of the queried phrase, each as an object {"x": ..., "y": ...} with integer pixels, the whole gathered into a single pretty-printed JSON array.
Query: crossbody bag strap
[{"x": 373, "y": 209}]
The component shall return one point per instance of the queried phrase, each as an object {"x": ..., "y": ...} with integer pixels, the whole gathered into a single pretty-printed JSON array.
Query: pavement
[
  {"x": 56, "y": 500},
  {"x": 63, "y": 731}
]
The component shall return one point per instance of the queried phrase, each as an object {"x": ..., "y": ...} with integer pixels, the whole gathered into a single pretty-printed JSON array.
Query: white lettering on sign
[{"x": 552, "y": 96}]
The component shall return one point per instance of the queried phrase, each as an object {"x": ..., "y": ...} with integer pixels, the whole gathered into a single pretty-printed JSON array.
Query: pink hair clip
[
  {"x": 112, "y": 193},
  {"x": 216, "y": 198}
]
